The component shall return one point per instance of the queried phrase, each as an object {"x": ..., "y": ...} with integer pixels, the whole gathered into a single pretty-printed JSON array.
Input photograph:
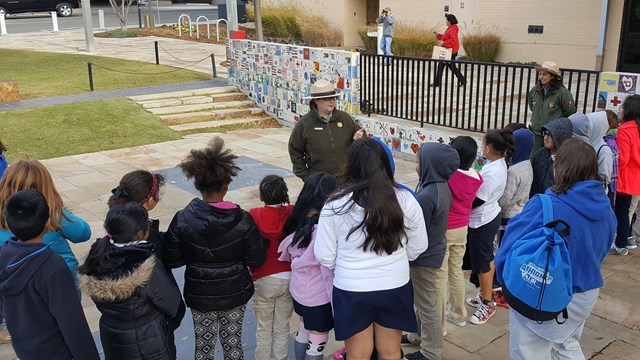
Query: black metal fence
[{"x": 494, "y": 94}]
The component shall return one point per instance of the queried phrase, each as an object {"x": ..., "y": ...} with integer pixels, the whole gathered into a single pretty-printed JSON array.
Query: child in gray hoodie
[{"x": 436, "y": 164}]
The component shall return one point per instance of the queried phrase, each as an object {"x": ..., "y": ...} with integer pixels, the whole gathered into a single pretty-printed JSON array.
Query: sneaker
[
  {"x": 618, "y": 251},
  {"x": 415, "y": 356},
  {"x": 499, "y": 298},
  {"x": 631, "y": 243},
  {"x": 455, "y": 322},
  {"x": 483, "y": 314},
  {"x": 475, "y": 301},
  {"x": 404, "y": 341}
]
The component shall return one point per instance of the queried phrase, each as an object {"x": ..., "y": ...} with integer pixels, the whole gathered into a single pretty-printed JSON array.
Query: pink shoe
[{"x": 340, "y": 354}]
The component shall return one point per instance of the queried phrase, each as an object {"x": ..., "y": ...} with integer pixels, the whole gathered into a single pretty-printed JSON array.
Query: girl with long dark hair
[{"x": 368, "y": 232}]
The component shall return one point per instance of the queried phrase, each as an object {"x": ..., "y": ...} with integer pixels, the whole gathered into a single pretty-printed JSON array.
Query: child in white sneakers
[{"x": 484, "y": 221}]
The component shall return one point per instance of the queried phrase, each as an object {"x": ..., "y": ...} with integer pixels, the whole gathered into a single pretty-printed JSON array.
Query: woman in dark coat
[
  {"x": 140, "y": 303},
  {"x": 218, "y": 242}
]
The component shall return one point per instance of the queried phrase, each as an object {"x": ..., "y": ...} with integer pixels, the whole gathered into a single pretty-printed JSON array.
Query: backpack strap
[
  {"x": 547, "y": 209},
  {"x": 547, "y": 217},
  {"x": 600, "y": 148}
]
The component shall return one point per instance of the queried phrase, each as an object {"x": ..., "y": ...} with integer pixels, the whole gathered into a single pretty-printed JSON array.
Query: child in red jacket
[{"x": 272, "y": 302}]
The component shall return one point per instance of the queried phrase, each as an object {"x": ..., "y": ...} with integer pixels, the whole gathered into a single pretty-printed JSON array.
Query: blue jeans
[{"x": 385, "y": 45}]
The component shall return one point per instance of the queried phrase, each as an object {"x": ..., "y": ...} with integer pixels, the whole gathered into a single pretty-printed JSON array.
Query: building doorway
[
  {"x": 629, "y": 56},
  {"x": 372, "y": 11}
]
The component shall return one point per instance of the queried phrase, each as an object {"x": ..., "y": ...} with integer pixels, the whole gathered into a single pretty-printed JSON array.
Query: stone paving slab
[{"x": 85, "y": 182}]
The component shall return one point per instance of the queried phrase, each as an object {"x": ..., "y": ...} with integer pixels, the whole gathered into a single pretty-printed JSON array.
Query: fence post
[
  {"x": 54, "y": 19},
  {"x": 157, "y": 54},
  {"x": 213, "y": 65},
  {"x": 101, "y": 19},
  {"x": 3, "y": 25},
  {"x": 90, "y": 76}
]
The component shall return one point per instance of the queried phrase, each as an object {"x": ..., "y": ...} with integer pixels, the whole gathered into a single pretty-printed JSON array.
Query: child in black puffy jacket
[
  {"x": 218, "y": 242},
  {"x": 140, "y": 303}
]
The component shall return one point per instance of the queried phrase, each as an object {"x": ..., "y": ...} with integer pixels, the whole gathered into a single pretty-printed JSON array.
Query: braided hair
[{"x": 274, "y": 191}]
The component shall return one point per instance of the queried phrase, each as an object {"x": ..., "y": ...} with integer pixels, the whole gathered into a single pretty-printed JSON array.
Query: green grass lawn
[
  {"x": 42, "y": 74},
  {"x": 78, "y": 128}
]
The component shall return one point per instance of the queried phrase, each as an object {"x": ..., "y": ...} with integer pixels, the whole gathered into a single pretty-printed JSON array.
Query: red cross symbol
[{"x": 615, "y": 101}]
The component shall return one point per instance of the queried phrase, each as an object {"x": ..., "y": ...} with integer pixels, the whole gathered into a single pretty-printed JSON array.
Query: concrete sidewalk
[
  {"x": 173, "y": 52},
  {"x": 85, "y": 182}
]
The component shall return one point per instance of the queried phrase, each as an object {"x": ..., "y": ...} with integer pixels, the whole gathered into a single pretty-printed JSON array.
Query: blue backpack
[{"x": 537, "y": 270}]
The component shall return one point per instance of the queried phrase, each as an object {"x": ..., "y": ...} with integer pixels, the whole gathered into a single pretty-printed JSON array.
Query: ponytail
[
  {"x": 98, "y": 260},
  {"x": 501, "y": 140}
]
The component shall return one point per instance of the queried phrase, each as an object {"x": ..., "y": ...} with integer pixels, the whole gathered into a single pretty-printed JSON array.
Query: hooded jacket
[
  {"x": 317, "y": 145},
  {"x": 39, "y": 300},
  {"x": 586, "y": 208},
  {"x": 140, "y": 305},
  {"x": 437, "y": 163},
  {"x": 519, "y": 176},
  {"x": 542, "y": 163},
  {"x": 270, "y": 221},
  {"x": 218, "y": 246},
  {"x": 388, "y": 24},
  {"x": 557, "y": 103},
  {"x": 591, "y": 129},
  {"x": 392, "y": 163},
  {"x": 73, "y": 229}
]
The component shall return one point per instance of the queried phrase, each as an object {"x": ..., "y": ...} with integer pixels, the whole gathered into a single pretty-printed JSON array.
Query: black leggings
[{"x": 438, "y": 80}]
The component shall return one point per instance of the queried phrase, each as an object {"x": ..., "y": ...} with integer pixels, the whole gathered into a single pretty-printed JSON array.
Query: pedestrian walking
[{"x": 450, "y": 40}]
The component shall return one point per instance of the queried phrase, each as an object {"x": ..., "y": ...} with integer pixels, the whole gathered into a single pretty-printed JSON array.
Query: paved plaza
[{"x": 85, "y": 182}]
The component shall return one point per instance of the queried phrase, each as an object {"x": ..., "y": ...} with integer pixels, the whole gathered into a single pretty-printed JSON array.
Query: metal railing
[{"x": 494, "y": 95}]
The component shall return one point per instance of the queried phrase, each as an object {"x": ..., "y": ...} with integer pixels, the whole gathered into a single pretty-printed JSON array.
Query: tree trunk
[{"x": 258, "y": 19}]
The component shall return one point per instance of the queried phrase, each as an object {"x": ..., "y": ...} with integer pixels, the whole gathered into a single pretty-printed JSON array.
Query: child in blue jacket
[
  {"x": 3, "y": 160},
  {"x": 578, "y": 197}
]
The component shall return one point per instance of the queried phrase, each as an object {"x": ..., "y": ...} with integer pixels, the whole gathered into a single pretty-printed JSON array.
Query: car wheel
[
  {"x": 64, "y": 9},
  {"x": 3, "y": 11}
]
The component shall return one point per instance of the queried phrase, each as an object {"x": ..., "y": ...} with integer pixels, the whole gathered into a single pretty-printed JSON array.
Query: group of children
[{"x": 367, "y": 257}]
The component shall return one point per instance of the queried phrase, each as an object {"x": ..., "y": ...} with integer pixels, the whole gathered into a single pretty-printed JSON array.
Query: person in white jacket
[{"x": 367, "y": 233}]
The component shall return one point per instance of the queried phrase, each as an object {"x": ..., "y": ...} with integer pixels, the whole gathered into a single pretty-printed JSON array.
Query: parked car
[{"x": 64, "y": 8}]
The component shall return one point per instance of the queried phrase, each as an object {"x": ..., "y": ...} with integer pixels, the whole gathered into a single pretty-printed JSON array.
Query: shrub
[
  {"x": 288, "y": 22},
  {"x": 482, "y": 44},
  {"x": 408, "y": 40},
  {"x": 317, "y": 31},
  {"x": 370, "y": 43},
  {"x": 280, "y": 21}
]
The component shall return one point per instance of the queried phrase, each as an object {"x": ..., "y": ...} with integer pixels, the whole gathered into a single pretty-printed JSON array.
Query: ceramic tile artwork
[
  {"x": 615, "y": 87},
  {"x": 279, "y": 76}
]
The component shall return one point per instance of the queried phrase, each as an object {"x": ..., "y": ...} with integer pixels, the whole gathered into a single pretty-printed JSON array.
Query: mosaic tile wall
[
  {"x": 615, "y": 87},
  {"x": 279, "y": 76},
  {"x": 407, "y": 139}
]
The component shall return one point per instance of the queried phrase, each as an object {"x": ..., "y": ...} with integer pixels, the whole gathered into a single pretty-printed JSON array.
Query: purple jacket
[{"x": 311, "y": 283}]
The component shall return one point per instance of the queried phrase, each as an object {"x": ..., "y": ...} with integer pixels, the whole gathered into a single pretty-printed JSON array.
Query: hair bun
[{"x": 120, "y": 192}]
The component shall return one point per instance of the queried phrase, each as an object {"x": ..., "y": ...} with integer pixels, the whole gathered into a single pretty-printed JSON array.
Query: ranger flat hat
[
  {"x": 550, "y": 67},
  {"x": 322, "y": 89}
]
